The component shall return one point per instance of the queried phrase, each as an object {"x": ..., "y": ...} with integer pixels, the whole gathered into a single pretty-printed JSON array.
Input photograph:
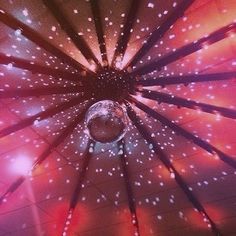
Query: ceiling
[{"x": 172, "y": 174}]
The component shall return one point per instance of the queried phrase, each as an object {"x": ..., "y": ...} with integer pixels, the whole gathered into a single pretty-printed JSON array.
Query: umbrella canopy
[{"x": 161, "y": 159}]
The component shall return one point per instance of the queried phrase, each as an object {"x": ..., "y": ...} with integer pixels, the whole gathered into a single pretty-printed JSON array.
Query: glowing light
[
  {"x": 215, "y": 156},
  {"x": 92, "y": 67},
  {"x": 21, "y": 165},
  {"x": 172, "y": 175},
  {"x": 231, "y": 34},
  {"x": 18, "y": 32},
  {"x": 118, "y": 65},
  {"x": 9, "y": 66},
  {"x": 112, "y": 81}
]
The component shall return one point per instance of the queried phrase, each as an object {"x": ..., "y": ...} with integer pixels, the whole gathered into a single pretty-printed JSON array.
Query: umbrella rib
[
  {"x": 186, "y": 50},
  {"x": 41, "y": 91},
  {"x": 67, "y": 26},
  {"x": 183, "y": 132},
  {"x": 75, "y": 196},
  {"x": 37, "y": 68},
  {"x": 35, "y": 37},
  {"x": 138, "y": 123},
  {"x": 41, "y": 116},
  {"x": 124, "y": 37},
  {"x": 128, "y": 185},
  {"x": 182, "y": 102},
  {"x": 99, "y": 29},
  {"x": 158, "y": 33},
  {"x": 120, "y": 50},
  {"x": 186, "y": 79},
  {"x": 16, "y": 184}
]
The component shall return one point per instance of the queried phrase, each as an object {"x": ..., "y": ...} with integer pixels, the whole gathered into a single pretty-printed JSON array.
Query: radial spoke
[
  {"x": 62, "y": 19},
  {"x": 17, "y": 93},
  {"x": 173, "y": 172},
  {"x": 181, "y": 102},
  {"x": 189, "y": 136},
  {"x": 160, "y": 31},
  {"x": 16, "y": 184},
  {"x": 124, "y": 37},
  {"x": 186, "y": 79},
  {"x": 68, "y": 130},
  {"x": 99, "y": 29},
  {"x": 186, "y": 50},
  {"x": 75, "y": 196},
  {"x": 128, "y": 185},
  {"x": 13, "y": 187},
  {"x": 37, "y": 68},
  {"x": 41, "y": 116},
  {"x": 35, "y": 37}
]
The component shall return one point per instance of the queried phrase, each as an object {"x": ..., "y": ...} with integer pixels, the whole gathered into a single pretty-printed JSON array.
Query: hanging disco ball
[{"x": 106, "y": 121}]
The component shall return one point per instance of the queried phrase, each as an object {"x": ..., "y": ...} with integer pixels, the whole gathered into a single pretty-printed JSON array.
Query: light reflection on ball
[{"x": 106, "y": 121}]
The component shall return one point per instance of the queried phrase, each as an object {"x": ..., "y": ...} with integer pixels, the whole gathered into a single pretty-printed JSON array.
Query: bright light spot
[
  {"x": 9, "y": 66},
  {"x": 18, "y": 32},
  {"x": 150, "y": 5},
  {"x": 92, "y": 67},
  {"x": 172, "y": 175},
  {"x": 25, "y": 12},
  {"x": 118, "y": 65},
  {"x": 21, "y": 165},
  {"x": 53, "y": 28}
]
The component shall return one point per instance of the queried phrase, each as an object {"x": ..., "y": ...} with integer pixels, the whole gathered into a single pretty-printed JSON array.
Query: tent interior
[{"x": 169, "y": 168}]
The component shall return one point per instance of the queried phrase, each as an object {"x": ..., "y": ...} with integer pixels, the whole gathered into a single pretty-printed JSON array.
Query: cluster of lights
[{"x": 121, "y": 72}]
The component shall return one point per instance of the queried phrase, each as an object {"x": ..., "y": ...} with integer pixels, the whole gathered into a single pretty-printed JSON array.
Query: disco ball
[{"x": 106, "y": 121}]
